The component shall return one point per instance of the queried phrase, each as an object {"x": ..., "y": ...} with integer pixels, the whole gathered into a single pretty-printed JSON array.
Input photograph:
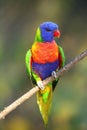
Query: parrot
[{"x": 43, "y": 60}]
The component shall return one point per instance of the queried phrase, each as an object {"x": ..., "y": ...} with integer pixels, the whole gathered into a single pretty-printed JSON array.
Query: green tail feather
[{"x": 44, "y": 100}]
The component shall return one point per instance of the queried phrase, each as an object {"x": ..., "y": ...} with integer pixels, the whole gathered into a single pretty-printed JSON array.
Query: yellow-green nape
[{"x": 38, "y": 37}]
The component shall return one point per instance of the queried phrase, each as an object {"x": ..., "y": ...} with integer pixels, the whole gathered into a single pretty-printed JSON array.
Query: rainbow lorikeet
[{"x": 42, "y": 60}]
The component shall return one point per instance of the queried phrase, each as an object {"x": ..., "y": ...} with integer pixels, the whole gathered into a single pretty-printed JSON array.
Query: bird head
[{"x": 47, "y": 31}]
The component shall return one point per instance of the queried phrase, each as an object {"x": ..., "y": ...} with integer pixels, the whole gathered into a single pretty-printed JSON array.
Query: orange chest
[{"x": 45, "y": 52}]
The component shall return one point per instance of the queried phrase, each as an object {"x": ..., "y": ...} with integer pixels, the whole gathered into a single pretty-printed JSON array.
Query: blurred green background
[{"x": 19, "y": 20}]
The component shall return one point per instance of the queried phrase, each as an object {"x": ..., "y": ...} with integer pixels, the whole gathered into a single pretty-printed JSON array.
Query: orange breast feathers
[{"x": 45, "y": 52}]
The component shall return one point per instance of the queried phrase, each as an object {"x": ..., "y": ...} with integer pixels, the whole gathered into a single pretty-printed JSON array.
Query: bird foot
[
  {"x": 40, "y": 85},
  {"x": 54, "y": 75}
]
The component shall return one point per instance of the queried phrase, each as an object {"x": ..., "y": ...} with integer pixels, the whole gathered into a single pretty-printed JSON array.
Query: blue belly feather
[{"x": 45, "y": 70}]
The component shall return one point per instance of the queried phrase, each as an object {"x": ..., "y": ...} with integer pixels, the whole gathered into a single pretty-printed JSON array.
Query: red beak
[{"x": 57, "y": 33}]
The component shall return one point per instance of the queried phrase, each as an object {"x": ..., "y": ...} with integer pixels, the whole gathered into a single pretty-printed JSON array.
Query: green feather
[
  {"x": 28, "y": 61},
  {"x": 61, "y": 52},
  {"x": 45, "y": 96}
]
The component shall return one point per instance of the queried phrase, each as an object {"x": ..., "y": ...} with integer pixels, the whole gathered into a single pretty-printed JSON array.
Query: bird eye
[{"x": 48, "y": 30}]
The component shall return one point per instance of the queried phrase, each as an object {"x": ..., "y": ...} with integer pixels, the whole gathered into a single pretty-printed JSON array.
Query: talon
[
  {"x": 54, "y": 74},
  {"x": 40, "y": 85}
]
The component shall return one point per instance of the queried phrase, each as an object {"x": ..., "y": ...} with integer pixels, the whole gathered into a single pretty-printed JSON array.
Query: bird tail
[{"x": 44, "y": 100}]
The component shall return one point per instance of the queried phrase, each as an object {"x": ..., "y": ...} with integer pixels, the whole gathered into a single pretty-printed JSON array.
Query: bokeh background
[{"x": 19, "y": 20}]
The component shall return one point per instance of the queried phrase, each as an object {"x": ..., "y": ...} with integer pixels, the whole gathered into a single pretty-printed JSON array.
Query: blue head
[{"x": 47, "y": 31}]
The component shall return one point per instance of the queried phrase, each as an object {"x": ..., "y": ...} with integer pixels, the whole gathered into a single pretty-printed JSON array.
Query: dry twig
[{"x": 27, "y": 95}]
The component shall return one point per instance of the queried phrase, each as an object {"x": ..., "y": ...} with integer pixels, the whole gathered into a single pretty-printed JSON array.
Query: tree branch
[{"x": 27, "y": 95}]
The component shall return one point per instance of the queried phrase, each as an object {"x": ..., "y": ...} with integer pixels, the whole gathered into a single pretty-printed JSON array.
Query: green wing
[
  {"x": 33, "y": 76},
  {"x": 61, "y": 57},
  {"x": 29, "y": 62},
  {"x": 62, "y": 62}
]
